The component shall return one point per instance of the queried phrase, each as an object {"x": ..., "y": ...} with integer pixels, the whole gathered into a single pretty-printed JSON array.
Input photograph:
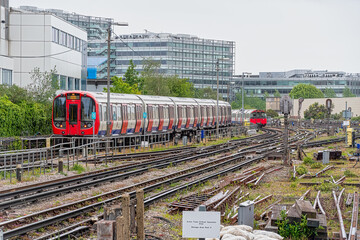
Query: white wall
[{"x": 30, "y": 44}]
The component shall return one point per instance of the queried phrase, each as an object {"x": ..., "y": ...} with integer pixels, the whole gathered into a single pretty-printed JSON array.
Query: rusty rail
[
  {"x": 318, "y": 203},
  {"x": 354, "y": 219},
  {"x": 341, "y": 222}
]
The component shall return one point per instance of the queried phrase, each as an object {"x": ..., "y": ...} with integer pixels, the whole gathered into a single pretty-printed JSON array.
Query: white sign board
[
  {"x": 201, "y": 224},
  {"x": 346, "y": 123}
]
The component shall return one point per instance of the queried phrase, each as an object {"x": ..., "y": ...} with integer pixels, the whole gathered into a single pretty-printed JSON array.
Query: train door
[
  {"x": 138, "y": 110},
  {"x": 166, "y": 117},
  {"x": 202, "y": 113},
  {"x": 73, "y": 120},
  {"x": 161, "y": 117},
  {"x": 125, "y": 121},
  {"x": 208, "y": 115},
  {"x": 171, "y": 116},
  {"x": 196, "y": 115},
  {"x": 150, "y": 117},
  {"x": 118, "y": 125},
  {"x": 180, "y": 116},
  {"x": 187, "y": 117}
]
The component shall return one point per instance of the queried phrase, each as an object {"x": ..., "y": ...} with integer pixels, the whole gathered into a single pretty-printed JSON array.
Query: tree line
[
  {"x": 151, "y": 81},
  {"x": 25, "y": 112}
]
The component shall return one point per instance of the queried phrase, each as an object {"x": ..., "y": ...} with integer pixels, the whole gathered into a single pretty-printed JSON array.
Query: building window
[
  {"x": 62, "y": 82},
  {"x": 7, "y": 77},
  {"x": 70, "y": 83},
  {"x": 77, "y": 84},
  {"x": 55, "y": 35}
]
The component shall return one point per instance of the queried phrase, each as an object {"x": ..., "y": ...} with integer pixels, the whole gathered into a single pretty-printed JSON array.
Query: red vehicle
[{"x": 253, "y": 116}]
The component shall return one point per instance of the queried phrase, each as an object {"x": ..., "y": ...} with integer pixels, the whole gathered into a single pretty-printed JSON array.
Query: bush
[
  {"x": 296, "y": 230},
  {"x": 308, "y": 160},
  {"x": 348, "y": 173},
  {"x": 301, "y": 170},
  {"x": 316, "y": 165},
  {"x": 78, "y": 168},
  {"x": 327, "y": 186}
]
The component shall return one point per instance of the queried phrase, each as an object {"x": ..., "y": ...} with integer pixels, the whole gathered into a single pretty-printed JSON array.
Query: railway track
[{"x": 195, "y": 171}]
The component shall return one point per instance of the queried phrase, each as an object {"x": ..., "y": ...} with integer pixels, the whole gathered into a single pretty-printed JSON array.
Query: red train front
[
  {"x": 258, "y": 117},
  {"x": 72, "y": 114}
]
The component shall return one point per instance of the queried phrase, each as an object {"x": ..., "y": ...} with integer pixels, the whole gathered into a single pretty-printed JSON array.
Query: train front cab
[{"x": 72, "y": 114}]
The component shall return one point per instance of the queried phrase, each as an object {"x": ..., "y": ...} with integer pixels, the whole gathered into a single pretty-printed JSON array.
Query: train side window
[
  {"x": 105, "y": 117},
  {"x": 100, "y": 109},
  {"x": 184, "y": 112},
  {"x": 166, "y": 111},
  {"x": 114, "y": 113}
]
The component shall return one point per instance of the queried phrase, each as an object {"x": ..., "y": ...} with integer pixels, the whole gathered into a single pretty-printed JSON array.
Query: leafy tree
[
  {"x": 249, "y": 102},
  {"x": 119, "y": 86},
  {"x": 180, "y": 87},
  {"x": 347, "y": 93},
  {"x": 266, "y": 95},
  {"x": 271, "y": 113},
  {"x": 44, "y": 85},
  {"x": 154, "y": 82},
  {"x": 277, "y": 94},
  {"x": 206, "y": 93},
  {"x": 15, "y": 93},
  {"x": 305, "y": 91},
  {"x": 132, "y": 76},
  {"x": 329, "y": 93},
  {"x": 315, "y": 111}
]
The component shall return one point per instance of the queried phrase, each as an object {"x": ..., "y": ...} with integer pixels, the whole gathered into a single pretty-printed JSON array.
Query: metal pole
[
  {"x": 286, "y": 154},
  {"x": 217, "y": 100},
  {"x": 108, "y": 82},
  {"x": 242, "y": 100}
]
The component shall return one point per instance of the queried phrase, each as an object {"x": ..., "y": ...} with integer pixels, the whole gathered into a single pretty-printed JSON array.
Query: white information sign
[
  {"x": 201, "y": 224},
  {"x": 346, "y": 123}
]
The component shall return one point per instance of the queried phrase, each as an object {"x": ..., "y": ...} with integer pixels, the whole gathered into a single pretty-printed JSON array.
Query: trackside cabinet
[
  {"x": 350, "y": 137},
  {"x": 246, "y": 213}
]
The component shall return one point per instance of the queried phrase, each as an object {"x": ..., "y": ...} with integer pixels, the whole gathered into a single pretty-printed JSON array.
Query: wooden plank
[
  {"x": 140, "y": 215},
  {"x": 126, "y": 214}
]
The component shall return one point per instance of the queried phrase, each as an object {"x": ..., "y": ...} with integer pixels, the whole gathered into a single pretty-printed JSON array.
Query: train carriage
[
  {"x": 72, "y": 114},
  {"x": 251, "y": 116}
]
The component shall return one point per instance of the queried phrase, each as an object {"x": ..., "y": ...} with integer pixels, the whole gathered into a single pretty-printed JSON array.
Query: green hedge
[{"x": 24, "y": 118}]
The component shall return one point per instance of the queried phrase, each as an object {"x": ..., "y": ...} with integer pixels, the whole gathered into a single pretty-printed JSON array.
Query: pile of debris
[
  {"x": 315, "y": 220},
  {"x": 243, "y": 232}
]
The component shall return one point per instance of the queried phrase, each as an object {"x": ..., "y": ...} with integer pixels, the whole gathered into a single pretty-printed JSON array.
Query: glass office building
[
  {"x": 284, "y": 81},
  {"x": 184, "y": 55}
]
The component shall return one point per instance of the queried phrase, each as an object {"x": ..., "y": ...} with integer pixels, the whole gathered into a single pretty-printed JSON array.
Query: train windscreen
[
  {"x": 59, "y": 109},
  {"x": 87, "y": 107}
]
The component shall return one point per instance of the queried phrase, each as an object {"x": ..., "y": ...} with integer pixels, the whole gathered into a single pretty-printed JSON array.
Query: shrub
[
  {"x": 327, "y": 186},
  {"x": 78, "y": 168},
  {"x": 316, "y": 165},
  {"x": 348, "y": 173},
  {"x": 295, "y": 230},
  {"x": 301, "y": 170},
  {"x": 308, "y": 160}
]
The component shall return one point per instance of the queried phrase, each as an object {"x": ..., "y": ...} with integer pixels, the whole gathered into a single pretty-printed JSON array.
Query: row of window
[
  {"x": 6, "y": 77},
  {"x": 67, "y": 40},
  {"x": 133, "y": 112},
  {"x": 294, "y": 83},
  {"x": 70, "y": 83}
]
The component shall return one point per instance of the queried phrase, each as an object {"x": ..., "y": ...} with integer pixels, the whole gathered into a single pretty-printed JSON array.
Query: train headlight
[
  {"x": 89, "y": 125},
  {"x": 57, "y": 125}
]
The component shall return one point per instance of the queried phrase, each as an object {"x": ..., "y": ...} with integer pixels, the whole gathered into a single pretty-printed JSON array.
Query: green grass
[{"x": 78, "y": 168}]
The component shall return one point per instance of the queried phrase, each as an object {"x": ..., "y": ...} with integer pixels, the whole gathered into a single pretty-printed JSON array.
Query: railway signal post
[{"x": 285, "y": 107}]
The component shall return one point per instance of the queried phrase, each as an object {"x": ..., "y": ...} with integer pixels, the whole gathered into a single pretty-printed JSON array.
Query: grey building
[
  {"x": 96, "y": 27},
  {"x": 184, "y": 55},
  {"x": 284, "y": 81}
]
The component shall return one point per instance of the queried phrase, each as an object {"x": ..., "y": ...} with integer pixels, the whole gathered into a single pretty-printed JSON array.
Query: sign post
[
  {"x": 93, "y": 117},
  {"x": 285, "y": 107}
]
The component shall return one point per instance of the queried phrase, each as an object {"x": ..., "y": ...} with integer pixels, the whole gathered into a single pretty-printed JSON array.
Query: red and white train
[
  {"x": 251, "y": 116},
  {"x": 72, "y": 112}
]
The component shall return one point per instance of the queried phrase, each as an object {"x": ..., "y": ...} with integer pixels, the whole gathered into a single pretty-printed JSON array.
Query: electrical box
[
  {"x": 350, "y": 137},
  {"x": 326, "y": 157},
  {"x": 246, "y": 213}
]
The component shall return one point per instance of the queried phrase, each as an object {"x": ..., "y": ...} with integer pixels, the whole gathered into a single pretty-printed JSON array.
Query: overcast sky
[{"x": 270, "y": 35}]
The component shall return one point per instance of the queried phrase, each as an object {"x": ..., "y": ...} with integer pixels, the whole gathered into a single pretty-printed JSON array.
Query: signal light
[{"x": 85, "y": 126}]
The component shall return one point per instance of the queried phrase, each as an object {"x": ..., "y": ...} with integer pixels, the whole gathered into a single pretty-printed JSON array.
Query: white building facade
[
  {"x": 44, "y": 41},
  {"x": 6, "y": 63}
]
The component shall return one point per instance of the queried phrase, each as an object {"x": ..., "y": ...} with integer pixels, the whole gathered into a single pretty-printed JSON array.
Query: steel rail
[
  {"x": 79, "y": 211},
  {"x": 354, "y": 218}
]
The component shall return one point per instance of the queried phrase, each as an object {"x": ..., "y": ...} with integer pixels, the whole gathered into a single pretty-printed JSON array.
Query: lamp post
[
  {"x": 242, "y": 97},
  {"x": 217, "y": 93},
  {"x": 108, "y": 74}
]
